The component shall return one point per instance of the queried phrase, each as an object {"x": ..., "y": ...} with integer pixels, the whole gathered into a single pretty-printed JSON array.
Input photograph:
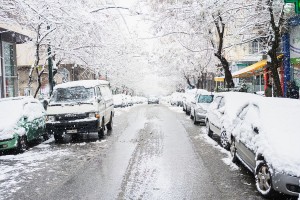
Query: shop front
[
  {"x": 295, "y": 49},
  {"x": 8, "y": 62}
]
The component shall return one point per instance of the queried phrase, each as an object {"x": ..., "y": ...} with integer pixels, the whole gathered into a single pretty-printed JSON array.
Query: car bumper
[
  {"x": 200, "y": 117},
  {"x": 286, "y": 184},
  {"x": 188, "y": 108},
  {"x": 73, "y": 127},
  {"x": 9, "y": 144}
]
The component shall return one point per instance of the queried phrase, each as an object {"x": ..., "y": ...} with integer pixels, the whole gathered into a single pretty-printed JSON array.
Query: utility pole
[{"x": 50, "y": 72}]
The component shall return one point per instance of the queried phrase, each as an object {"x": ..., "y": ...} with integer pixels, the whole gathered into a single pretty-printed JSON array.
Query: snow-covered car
[
  {"x": 187, "y": 99},
  {"x": 119, "y": 100},
  {"x": 222, "y": 111},
  {"x": 153, "y": 100},
  {"x": 199, "y": 107},
  {"x": 79, "y": 108},
  {"x": 265, "y": 137},
  {"x": 129, "y": 100},
  {"x": 176, "y": 99},
  {"x": 22, "y": 121}
]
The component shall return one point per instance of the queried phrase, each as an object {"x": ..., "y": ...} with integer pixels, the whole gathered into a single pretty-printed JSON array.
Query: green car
[{"x": 22, "y": 120}]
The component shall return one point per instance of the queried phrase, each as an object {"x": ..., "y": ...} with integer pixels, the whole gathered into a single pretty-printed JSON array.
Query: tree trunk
[
  {"x": 274, "y": 64},
  {"x": 39, "y": 74},
  {"x": 228, "y": 75}
]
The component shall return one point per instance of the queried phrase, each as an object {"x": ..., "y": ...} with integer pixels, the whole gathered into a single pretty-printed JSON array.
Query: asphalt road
[{"x": 153, "y": 152}]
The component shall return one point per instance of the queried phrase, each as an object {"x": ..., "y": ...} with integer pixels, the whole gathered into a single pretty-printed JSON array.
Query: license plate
[
  {"x": 72, "y": 131},
  {"x": 3, "y": 146}
]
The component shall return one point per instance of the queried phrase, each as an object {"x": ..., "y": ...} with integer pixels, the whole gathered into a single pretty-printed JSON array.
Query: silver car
[
  {"x": 199, "y": 107},
  {"x": 269, "y": 147}
]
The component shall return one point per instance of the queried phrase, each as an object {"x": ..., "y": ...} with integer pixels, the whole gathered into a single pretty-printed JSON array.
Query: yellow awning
[
  {"x": 219, "y": 79},
  {"x": 251, "y": 70}
]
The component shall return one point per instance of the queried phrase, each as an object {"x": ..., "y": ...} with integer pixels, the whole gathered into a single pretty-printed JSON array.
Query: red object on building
[{"x": 266, "y": 77}]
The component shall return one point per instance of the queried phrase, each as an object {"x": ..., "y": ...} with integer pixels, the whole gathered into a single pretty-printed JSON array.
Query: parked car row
[
  {"x": 262, "y": 133},
  {"x": 153, "y": 100},
  {"x": 122, "y": 100}
]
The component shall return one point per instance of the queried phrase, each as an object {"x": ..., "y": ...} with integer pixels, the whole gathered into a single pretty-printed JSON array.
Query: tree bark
[
  {"x": 220, "y": 26},
  {"x": 275, "y": 64}
]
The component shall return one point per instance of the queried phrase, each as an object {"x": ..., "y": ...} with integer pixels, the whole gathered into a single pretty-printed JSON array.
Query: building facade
[{"x": 8, "y": 62}]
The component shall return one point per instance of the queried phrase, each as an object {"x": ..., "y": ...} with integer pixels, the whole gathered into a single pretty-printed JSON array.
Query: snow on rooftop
[{"x": 84, "y": 83}]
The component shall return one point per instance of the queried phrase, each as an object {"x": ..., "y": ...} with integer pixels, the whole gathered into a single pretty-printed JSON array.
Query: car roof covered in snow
[
  {"x": 84, "y": 83},
  {"x": 20, "y": 98}
]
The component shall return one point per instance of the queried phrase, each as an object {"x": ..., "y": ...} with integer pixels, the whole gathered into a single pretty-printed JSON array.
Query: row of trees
[
  {"x": 88, "y": 33},
  {"x": 208, "y": 30}
]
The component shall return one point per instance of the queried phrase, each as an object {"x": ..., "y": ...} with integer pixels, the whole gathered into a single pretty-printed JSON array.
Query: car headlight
[
  {"x": 201, "y": 110},
  {"x": 50, "y": 118},
  {"x": 91, "y": 115}
]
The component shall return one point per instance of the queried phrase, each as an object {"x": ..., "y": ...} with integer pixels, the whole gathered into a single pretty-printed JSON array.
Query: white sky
[{"x": 136, "y": 26}]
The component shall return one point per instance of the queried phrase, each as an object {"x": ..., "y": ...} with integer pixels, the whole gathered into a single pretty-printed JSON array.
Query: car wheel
[
  {"x": 101, "y": 131},
  {"x": 224, "y": 140},
  {"x": 46, "y": 136},
  {"x": 233, "y": 151},
  {"x": 263, "y": 179},
  {"x": 109, "y": 126},
  {"x": 195, "y": 120},
  {"x": 22, "y": 144},
  {"x": 58, "y": 138},
  {"x": 209, "y": 131},
  {"x": 191, "y": 116}
]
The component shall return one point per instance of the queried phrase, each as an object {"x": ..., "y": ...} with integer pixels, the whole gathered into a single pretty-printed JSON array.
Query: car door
[
  {"x": 34, "y": 120},
  {"x": 107, "y": 100},
  {"x": 219, "y": 112},
  {"x": 213, "y": 115},
  {"x": 247, "y": 133},
  {"x": 100, "y": 102},
  {"x": 193, "y": 104}
]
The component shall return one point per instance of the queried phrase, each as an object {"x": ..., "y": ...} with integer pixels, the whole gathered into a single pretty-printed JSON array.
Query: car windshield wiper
[
  {"x": 55, "y": 104},
  {"x": 85, "y": 103}
]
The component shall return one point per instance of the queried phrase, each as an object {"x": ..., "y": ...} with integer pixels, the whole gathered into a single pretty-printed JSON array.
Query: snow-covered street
[{"x": 154, "y": 152}]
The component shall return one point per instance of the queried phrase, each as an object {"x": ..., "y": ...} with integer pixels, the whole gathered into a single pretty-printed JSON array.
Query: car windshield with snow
[{"x": 78, "y": 94}]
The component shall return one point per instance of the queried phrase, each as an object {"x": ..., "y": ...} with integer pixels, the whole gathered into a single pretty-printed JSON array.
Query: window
[
  {"x": 73, "y": 94},
  {"x": 254, "y": 47},
  {"x": 222, "y": 103},
  {"x": 10, "y": 80},
  {"x": 205, "y": 98}
]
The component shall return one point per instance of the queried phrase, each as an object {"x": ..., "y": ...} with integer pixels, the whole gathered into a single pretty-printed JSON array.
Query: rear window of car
[{"x": 205, "y": 98}]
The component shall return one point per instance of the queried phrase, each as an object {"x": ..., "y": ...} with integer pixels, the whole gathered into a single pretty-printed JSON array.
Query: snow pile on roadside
[
  {"x": 15, "y": 169},
  {"x": 228, "y": 159},
  {"x": 176, "y": 109}
]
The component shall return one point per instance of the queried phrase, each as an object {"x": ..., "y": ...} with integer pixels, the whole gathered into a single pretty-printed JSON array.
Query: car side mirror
[
  {"x": 255, "y": 129},
  {"x": 193, "y": 102},
  {"x": 99, "y": 99},
  {"x": 222, "y": 111}
]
